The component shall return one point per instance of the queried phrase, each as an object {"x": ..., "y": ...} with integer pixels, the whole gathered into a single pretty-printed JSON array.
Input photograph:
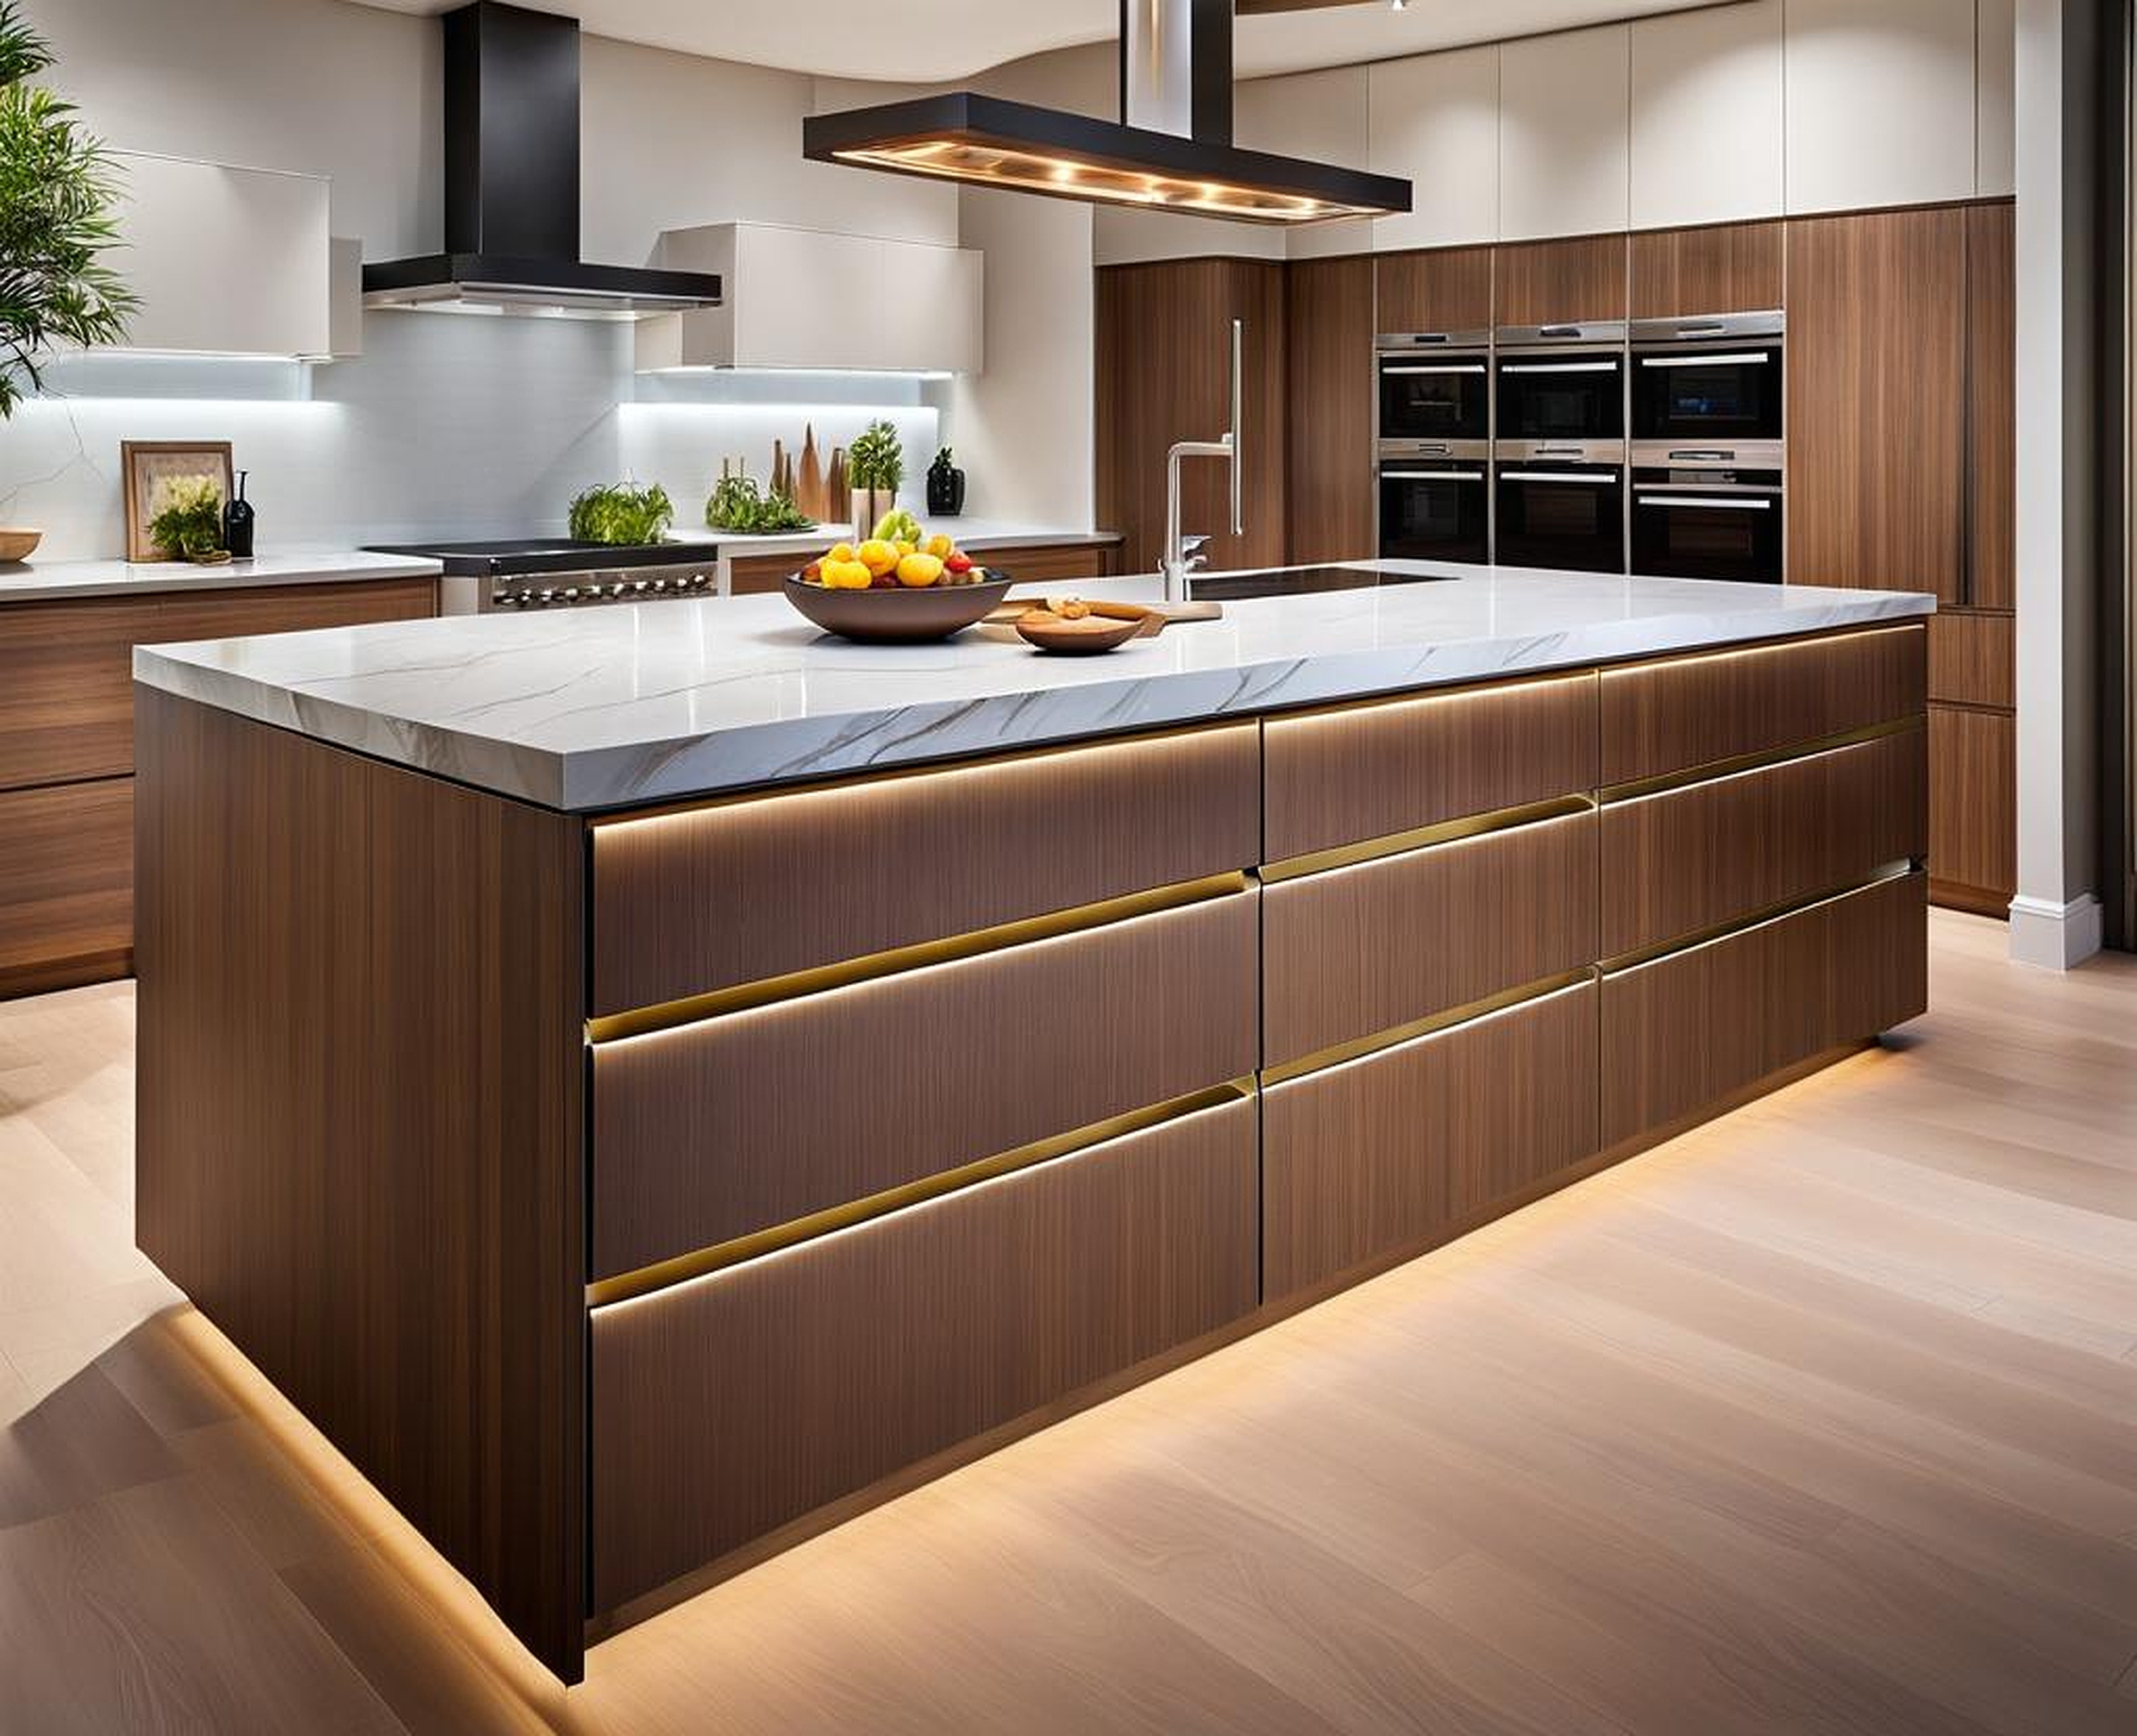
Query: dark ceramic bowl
[{"x": 896, "y": 618}]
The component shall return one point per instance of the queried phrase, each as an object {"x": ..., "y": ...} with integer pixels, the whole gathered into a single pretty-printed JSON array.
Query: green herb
[
  {"x": 188, "y": 517},
  {"x": 876, "y": 459},
  {"x": 942, "y": 460},
  {"x": 620, "y": 513},
  {"x": 57, "y": 185},
  {"x": 738, "y": 505}
]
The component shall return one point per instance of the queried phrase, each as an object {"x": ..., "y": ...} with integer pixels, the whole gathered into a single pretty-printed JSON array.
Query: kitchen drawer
[
  {"x": 1973, "y": 808},
  {"x": 1705, "y": 855},
  {"x": 752, "y": 575},
  {"x": 725, "y": 1407},
  {"x": 1354, "y": 951},
  {"x": 1043, "y": 563},
  {"x": 1680, "y": 712},
  {"x": 293, "y": 609},
  {"x": 66, "y": 689},
  {"x": 1685, "y": 1030},
  {"x": 717, "y": 1129},
  {"x": 1385, "y": 1154},
  {"x": 66, "y": 884},
  {"x": 1972, "y": 658},
  {"x": 707, "y": 898},
  {"x": 1340, "y": 776}
]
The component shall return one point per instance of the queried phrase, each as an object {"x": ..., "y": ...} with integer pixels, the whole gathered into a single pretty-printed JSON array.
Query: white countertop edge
[
  {"x": 57, "y": 580},
  {"x": 769, "y": 753}
]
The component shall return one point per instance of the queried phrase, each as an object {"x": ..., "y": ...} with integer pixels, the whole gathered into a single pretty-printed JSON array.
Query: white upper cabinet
[
  {"x": 1996, "y": 49},
  {"x": 1565, "y": 133},
  {"x": 1880, "y": 102},
  {"x": 1434, "y": 119},
  {"x": 1707, "y": 116},
  {"x": 1321, "y": 116},
  {"x": 809, "y": 298},
  {"x": 226, "y": 261}
]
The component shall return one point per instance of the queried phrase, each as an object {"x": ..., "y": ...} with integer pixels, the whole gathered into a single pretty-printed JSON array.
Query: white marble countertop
[
  {"x": 619, "y": 705},
  {"x": 45, "y": 580},
  {"x": 971, "y": 533}
]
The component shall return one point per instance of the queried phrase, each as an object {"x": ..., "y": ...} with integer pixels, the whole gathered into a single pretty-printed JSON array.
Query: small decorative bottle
[{"x": 237, "y": 523}]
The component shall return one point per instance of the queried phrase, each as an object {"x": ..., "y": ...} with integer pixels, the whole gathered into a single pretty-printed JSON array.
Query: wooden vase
[{"x": 808, "y": 495}]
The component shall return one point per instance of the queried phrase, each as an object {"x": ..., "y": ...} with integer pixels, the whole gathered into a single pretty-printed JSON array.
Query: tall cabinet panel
[
  {"x": 1876, "y": 346},
  {"x": 1564, "y": 125},
  {"x": 1164, "y": 374},
  {"x": 1446, "y": 289},
  {"x": 1329, "y": 424},
  {"x": 1991, "y": 406}
]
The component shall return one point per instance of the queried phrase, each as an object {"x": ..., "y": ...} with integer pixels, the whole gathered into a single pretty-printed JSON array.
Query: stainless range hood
[
  {"x": 1170, "y": 150},
  {"x": 511, "y": 187}
]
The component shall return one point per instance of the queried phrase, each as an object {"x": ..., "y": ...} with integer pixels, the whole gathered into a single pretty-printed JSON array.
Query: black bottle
[{"x": 237, "y": 523}]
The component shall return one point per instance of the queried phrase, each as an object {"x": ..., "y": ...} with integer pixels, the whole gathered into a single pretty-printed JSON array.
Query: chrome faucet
[{"x": 1182, "y": 554}]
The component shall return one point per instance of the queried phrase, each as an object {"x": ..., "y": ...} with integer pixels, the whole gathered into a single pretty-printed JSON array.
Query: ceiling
[{"x": 935, "y": 42}]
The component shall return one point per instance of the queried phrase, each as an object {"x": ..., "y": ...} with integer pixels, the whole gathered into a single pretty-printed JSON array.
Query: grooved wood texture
[
  {"x": 1443, "y": 289},
  {"x": 1877, "y": 397},
  {"x": 1723, "y": 268},
  {"x": 1991, "y": 474},
  {"x": 1385, "y": 1154},
  {"x": 1163, "y": 374},
  {"x": 1973, "y": 659},
  {"x": 1550, "y": 283},
  {"x": 1680, "y": 712},
  {"x": 183, "y": 615},
  {"x": 1328, "y": 423},
  {"x": 1694, "y": 858},
  {"x": 714, "y": 1130},
  {"x": 66, "y": 689},
  {"x": 359, "y": 1124},
  {"x": 1973, "y": 808},
  {"x": 688, "y": 902},
  {"x": 1341, "y": 777},
  {"x": 66, "y": 884},
  {"x": 1694, "y": 1025},
  {"x": 724, "y": 1409},
  {"x": 1358, "y": 950}
]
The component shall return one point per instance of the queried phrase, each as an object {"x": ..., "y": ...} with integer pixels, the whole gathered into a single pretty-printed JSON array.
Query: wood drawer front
[
  {"x": 714, "y": 1131},
  {"x": 66, "y": 689},
  {"x": 293, "y": 609},
  {"x": 1973, "y": 808},
  {"x": 1340, "y": 777},
  {"x": 1362, "y": 949},
  {"x": 66, "y": 879},
  {"x": 1710, "y": 853},
  {"x": 1687, "y": 711},
  {"x": 1972, "y": 658},
  {"x": 1051, "y": 560},
  {"x": 1681, "y": 1033},
  {"x": 751, "y": 575},
  {"x": 727, "y": 1408},
  {"x": 690, "y": 902},
  {"x": 1385, "y": 1154}
]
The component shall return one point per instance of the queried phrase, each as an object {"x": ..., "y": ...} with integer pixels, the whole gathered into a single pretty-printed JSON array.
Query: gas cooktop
[
  {"x": 522, "y": 556},
  {"x": 1300, "y": 581}
]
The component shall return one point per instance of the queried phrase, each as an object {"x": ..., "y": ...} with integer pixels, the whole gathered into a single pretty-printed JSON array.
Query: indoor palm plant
[{"x": 56, "y": 186}]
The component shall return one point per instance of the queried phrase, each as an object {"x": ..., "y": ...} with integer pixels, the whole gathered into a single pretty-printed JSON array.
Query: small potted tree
[{"x": 875, "y": 467}]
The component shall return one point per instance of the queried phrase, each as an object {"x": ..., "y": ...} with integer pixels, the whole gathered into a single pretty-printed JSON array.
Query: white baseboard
[{"x": 2055, "y": 936}]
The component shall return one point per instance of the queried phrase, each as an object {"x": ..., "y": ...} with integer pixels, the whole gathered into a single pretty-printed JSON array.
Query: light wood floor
[{"x": 1823, "y": 1419}]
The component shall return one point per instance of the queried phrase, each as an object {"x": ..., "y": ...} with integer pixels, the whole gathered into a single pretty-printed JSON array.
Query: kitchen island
[{"x": 649, "y": 1084}]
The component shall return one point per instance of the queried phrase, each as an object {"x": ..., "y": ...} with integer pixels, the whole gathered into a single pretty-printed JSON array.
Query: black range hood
[
  {"x": 511, "y": 186},
  {"x": 1170, "y": 150}
]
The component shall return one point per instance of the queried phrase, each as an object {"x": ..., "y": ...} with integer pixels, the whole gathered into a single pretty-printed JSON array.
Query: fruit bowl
[{"x": 901, "y": 617}]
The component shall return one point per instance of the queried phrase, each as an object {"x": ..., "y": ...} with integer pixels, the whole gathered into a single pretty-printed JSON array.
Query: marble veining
[{"x": 612, "y": 707}]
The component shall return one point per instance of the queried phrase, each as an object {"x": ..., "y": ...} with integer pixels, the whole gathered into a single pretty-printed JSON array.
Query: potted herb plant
[
  {"x": 187, "y": 520},
  {"x": 874, "y": 466}
]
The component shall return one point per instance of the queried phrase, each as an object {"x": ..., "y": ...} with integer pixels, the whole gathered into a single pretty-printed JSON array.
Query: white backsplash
[{"x": 461, "y": 427}]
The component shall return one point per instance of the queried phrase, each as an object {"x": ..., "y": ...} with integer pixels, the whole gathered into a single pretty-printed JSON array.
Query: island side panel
[{"x": 359, "y": 1125}]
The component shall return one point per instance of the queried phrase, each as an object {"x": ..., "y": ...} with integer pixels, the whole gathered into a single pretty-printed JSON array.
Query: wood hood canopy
[{"x": 1170, "y": 150}]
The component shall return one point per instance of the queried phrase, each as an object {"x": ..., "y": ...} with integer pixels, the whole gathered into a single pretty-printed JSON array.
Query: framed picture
[{"x": 150, "y": 466}]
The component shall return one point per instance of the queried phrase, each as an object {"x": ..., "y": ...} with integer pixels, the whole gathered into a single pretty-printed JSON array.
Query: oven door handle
[
  {"x": 1734, "y": 358},
  {"x": 1432, "y": 476},
  {"x": 1721, "y": 503},
  {"x": 1450, "y": 367},
  {"x": 1557, "y": 476},
  {"x": 1557, "y": 367}
]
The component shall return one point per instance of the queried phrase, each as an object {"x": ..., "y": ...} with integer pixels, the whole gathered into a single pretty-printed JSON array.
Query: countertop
[
  {"x": 44, "y": 581},
  {"x": 616, "y": 706},
  {"x": 971, "y": 533}
]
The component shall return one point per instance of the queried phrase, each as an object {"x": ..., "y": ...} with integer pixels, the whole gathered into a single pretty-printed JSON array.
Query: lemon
[
  {"x": 918, "y": 570},
  {"x": 878, "y": 556}
]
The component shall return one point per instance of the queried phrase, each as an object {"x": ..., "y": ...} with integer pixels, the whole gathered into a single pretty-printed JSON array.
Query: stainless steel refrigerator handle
[{"x": 1238, "y": 492}]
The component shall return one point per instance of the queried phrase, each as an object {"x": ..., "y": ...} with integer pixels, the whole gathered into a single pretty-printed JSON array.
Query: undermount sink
[{"x": 1300, "y": 581}]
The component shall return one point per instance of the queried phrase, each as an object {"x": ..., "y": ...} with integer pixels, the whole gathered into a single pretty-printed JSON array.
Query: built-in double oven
[
  {"x": 1434, "y": 450},
  {"x": 1558, "y": 446},
  {"x": 1707, "y": 448}
]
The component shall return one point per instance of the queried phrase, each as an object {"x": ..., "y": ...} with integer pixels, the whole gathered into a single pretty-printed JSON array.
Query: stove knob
[
  {"x": 571, "y": 594},
  {"x": 702, "y": 581},
  {"x": 659, "y": 585},
  {"x": 544, "y": 597},
  {"x": 620, "y": 588},
  {"x": 639, "y": 587}
]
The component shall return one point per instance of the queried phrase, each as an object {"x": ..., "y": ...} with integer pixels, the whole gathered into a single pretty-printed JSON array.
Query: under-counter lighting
[{"x": 859, "y": 374}]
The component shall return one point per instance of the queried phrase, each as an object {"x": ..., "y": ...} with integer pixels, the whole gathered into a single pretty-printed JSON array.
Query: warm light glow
[{"x": 1008, "y": 166}]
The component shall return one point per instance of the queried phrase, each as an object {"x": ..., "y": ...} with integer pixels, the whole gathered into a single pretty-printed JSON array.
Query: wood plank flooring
[{"x": 1821, "y": 1419}]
